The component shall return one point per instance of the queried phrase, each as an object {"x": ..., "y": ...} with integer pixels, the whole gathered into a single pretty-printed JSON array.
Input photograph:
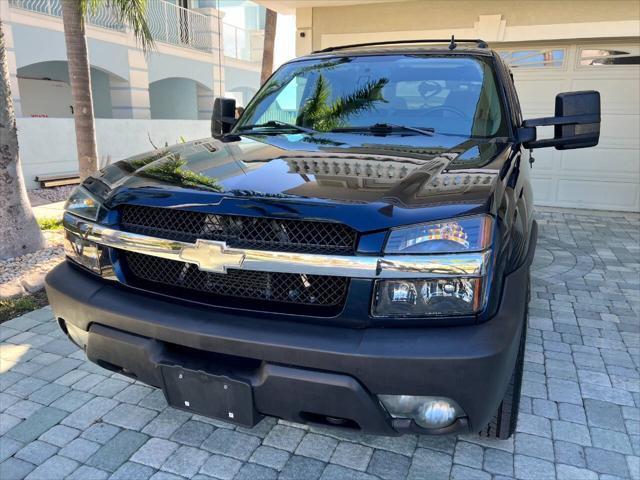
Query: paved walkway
[{"x": 579, "y": 419}]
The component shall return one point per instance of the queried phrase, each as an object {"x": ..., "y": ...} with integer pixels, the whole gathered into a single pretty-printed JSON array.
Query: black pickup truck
[{"x": 354, "y": 251}]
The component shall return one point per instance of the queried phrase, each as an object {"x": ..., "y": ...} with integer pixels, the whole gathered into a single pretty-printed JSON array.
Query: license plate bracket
[{"x": 210, "y": 395}]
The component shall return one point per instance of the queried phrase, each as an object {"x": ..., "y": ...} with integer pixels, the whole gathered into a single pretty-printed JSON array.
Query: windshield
[{"x": 452, "y": 95}]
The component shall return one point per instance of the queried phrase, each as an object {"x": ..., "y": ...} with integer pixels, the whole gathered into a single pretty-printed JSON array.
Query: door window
[
  {"x": 608, "y": 56},
  {"x": 534, "y": 58}
]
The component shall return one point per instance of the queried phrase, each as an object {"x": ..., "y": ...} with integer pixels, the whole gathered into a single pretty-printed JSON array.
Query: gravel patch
[
  {"x": 25, "y": 274},
  {"x": 50, "y": 195}
]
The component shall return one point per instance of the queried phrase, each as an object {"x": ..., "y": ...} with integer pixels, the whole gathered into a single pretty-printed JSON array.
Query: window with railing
[
  {"x": 169, "y": 23},
  {"x": 241, "y": 43},
  {"x": 101, "y": 17},
  {"x": 173, "y": 24}
]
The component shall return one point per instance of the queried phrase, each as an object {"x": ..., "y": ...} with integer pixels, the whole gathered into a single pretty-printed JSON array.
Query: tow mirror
[
  {"x": 224, "y": 116},
  {"x": 577, "y": 123}
]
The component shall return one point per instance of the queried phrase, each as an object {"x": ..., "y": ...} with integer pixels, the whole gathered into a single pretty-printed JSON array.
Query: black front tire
[{"x": 503, "y": 424}]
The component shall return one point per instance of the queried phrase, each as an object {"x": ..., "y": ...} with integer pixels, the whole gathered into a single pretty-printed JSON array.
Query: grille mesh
[
  {"x": 317, "y": 290},
  {"x": 238, "y": 231}
]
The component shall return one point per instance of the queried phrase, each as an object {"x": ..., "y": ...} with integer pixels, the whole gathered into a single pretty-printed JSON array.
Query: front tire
[{"x": 503, "y": 424}]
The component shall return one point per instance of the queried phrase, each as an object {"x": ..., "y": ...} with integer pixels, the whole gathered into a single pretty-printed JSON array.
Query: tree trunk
[
  {"x": 80, "y": 76},
  {"x": 19, "y": 231},
  {"x": 269, "y": 42}
]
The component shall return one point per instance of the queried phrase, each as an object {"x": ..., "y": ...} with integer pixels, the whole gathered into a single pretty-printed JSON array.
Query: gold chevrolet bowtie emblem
[{"x": 212, "y": 256}]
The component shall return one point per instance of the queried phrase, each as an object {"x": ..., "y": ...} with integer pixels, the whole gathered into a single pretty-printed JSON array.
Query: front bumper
[{"x": 299, "y": 372}]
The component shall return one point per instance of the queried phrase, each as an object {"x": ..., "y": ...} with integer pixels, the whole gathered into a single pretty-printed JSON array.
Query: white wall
[
  {"x": 163, "y": 66},
  {"x": 48, "y": 145},
  {"x": 35, "y": 45},
  {"x": 40, "y": 96},
  {"x": 492, "y": 20},
  {"x": 174, "y": 98},
  {"x": 49, "y": 98}
]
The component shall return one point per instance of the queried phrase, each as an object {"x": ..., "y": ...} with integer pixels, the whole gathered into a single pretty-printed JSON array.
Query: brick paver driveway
[{"x": 579, "y": 418}]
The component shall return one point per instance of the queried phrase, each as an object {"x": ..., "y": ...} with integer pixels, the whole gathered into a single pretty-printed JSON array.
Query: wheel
[{"x": 503, "y": 424}]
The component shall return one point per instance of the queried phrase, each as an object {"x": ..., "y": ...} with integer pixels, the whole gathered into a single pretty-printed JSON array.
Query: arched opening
[
  {"x": 45, "y": 90},
  {"x": 175, "y": 98}
]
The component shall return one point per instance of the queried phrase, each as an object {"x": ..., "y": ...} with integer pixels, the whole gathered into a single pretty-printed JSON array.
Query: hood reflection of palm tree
[
  {"x": 171, "y": 169},
  {"x": 319, "y": 114}
]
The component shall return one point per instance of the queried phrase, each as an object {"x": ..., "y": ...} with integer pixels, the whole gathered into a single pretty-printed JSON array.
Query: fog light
[
  {"x": 427, "y": 412},
  {"x": 436, "y": 414}
]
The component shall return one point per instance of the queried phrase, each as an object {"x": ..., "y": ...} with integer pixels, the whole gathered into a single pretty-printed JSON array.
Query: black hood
[{"x": 445, "y": 175}]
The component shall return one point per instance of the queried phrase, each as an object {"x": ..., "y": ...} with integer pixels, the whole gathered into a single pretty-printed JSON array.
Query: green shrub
[
  {"x": 50, "y": 223},
  {"x": 14, "y": 307}
]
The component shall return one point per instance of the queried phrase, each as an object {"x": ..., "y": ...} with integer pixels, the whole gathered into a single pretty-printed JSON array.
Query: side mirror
[
  {"x": 577, "y": 123},
  {"x": 224, "y": 116}
]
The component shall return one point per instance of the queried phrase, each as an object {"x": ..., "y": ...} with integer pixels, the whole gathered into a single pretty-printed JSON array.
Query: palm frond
[
  {"x": 130, "y": 12},
  {"x": 315, "y": 106},
  {"x": 360, "y": 100},
  {"x": 172, "y": 170}
]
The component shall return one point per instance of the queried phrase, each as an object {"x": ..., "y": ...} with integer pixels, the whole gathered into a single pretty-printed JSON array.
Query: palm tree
[
  {"x": 129, "y": 12},
  {"x": 270, "y": 22},
  {"x": 19, "y": 232}
]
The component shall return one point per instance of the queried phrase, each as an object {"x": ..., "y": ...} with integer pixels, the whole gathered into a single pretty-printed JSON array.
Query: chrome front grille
[
  {"x": 177, "y": 278},
  {"x": 238, "y": 231}
]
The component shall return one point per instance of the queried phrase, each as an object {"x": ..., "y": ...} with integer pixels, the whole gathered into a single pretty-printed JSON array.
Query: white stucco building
[
  {"x": 162, "y": 97},
  {"x": 552, "y": 46}
]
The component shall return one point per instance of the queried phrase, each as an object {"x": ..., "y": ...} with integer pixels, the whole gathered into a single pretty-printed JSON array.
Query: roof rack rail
[{"x": 452, "y": 43}]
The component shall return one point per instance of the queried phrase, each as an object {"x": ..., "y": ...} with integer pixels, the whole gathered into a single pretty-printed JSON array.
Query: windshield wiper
[
  {"x": 275, "y": 124},
  {"x": 386, "y": 128}
]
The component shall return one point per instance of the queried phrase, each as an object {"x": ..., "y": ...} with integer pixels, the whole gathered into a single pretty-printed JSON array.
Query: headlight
[
  {"x": 452, "y": 294},
  {"x": 82, "y": 204},
  {"x": 428, "y": 297},
  {"x": 467, "y": 234}
]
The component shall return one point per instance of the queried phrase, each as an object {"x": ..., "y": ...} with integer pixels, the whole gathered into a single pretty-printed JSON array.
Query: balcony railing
[
  {"x": 102, "y": 17},
  {"x": 169, "y": 23},
  {"x": 241, "y": 43}
]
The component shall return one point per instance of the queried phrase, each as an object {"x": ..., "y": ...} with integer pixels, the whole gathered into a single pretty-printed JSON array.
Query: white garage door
[{"x": 605, "y": 177}]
